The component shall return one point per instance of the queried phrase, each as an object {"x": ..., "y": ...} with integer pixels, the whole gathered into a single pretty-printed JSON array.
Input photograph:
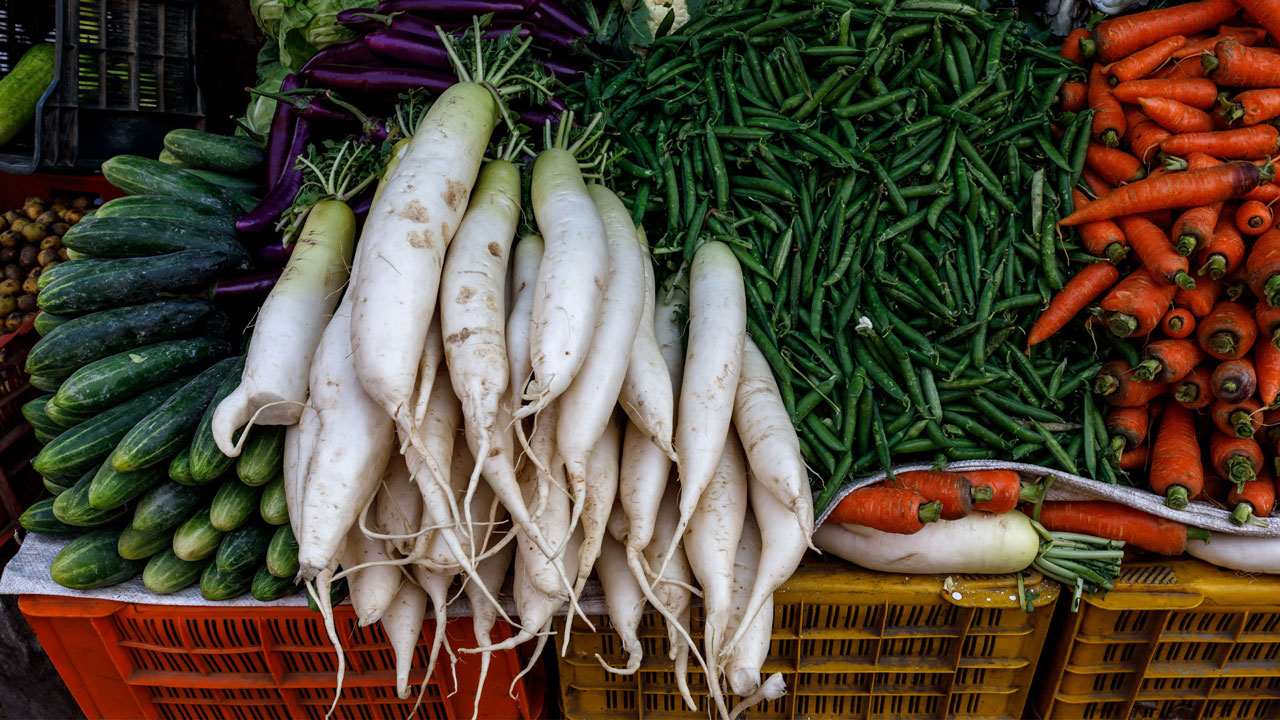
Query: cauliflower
[{"x": 658, "y": 10}]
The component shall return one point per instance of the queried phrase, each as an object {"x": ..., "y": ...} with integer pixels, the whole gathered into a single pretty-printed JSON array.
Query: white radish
[
  {"x": 402, "y": 622},
  {"x": 435, "y": 583},
  {"x": 287, "y": 330},
  {"x": 430, "y": 460},
  {"x": 772, "y": 689},
  {"x": 642, "y": 482},
  {"x": 372, "y": 587},
  {"x": 743, "y": 664},
  {"x": 669, "y": 316},
  {"x": 398, "y": 507},
  {"x": 617, "y": 525},
  {"x": 491, "y": 573},
  {"x": 670, "y": 590},
  {"x": 541, "y": 443},
  {"x": 1238, "y": 552},
  {"x": 536, "y": 609},
  {"x": 298, "y": 446},
  {"x": 647, "y": 396},
  {"x": 782, "y": 545},
  {"x": 526, "y": 257},
  {"x": 602, "y": 488},
  {"x": 544, "y": 570},
  {"x": 624, "y": 601},
  {"x": 432, "y": 357},
  {"x": 773, "y": 448}
]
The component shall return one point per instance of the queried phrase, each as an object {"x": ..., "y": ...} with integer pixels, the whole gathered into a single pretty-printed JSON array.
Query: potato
[
  {"x": 83, "y": 202},
  {"x": 17, "y": 225},
  {"x": 8, "y": 255},
  {"x": 7, "y": 304},
  {"x": 59, "y": 229},
  {"x": 28, "y": 256},
  {"x": 27, "y": 303},
  {"x": 29, "y": 286},
  {"x": 51, "y": 242},
  {"x": 71, "y": 217},
  {"x": 52, "y": 265},
  {"x": 10, "y": 238},
  {"x": 46, "y": 256},
  {"x": 11, "y": 216},
  {"x": 13, "y": 272},
  {"x": 9, "y": 287},
  {"x": 63, "y": 255},
  {"x": 34, "y": 232},
  {"x": 34, "y": 210},
  {"x": 48, "y": 217},
  {"x": 13, "y": 321}
]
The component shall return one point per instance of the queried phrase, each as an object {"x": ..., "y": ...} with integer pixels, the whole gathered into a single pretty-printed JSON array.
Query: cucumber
[
  {"x": 134, "y": 175},
  {"x": 39, "y": 518},
  {"x": 72, "y": 507},
  {"x": 233, "y": 505},
  {"x": 272, "y": 506},
  {"x": 65, "y": 417},
  {"x": 223, "y": 153},
  {"x": 167, "y": 429},
  {"x": 167, "y": 158},
  {"x": 55, "y": 488},
  {"x": 232, "y": 183},
  {"x": 87, "y": 444},
  {"x": 60, "y": 270},
  {"x": 180, "y": 468},
  {"x": 196, "y": 539},
  {"x": 45, "y": 384},
  {"x": 78, "y": 342},
  {"x": 22, "y": 88},
  {"x": 93, "y": 285},
  {"x": 34, "y": 412},
  {"x": 244, "y": 548},
  {"x": 111, "y": 488},
  {"x": 217, "y": 585},
  {"x": 262, "y": 456},
  {"x": 122, "y": 237},
  {"x": 282, "y": 553},
  {"x": 45, "y": 322},
  {"x": 91, "y": 561},
  {"x": 242, "y": 200},
  {"x": 167, "y": 573},
  {"x": 207, "y": 461},
  {"x": 267, "y": 587},
  {"x": 108, "y": 382},
  {"x": 167, "y": 505},
  {"x": 337, "y": 593},
  {"x": 139, "y": 545},
  {"x": 169, "y": 209}
]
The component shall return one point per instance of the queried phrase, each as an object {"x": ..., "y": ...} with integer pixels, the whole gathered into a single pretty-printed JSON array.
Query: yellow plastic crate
[
  {"x": 851, "y": 643},
  {"x": 1174, "y": 639}
]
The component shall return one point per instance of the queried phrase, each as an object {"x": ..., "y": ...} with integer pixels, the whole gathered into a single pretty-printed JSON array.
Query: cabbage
[{"x": 301, "y": 27}]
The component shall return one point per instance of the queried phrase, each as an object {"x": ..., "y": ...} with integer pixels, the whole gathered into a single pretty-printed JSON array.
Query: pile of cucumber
[{"x": 135, "y": 357}]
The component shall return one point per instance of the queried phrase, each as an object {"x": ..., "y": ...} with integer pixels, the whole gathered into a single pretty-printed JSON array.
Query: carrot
[
  {"x": 1263, "y": 267},
  {"x": 1253, "y": 217},
  {"x": 1175, "y": 116},
  {"x": 1235, "y": 65},
  {"x": 1097, "y": 186},
  {"x": 1243, "y": 35},
  {"x": 1176, "y": 472},
  {"x": 1253, "y": 106},
  {"x": 1125, "y": 35},
  {"x": 1234, "y": 380},
  {"x": 1108, "y": 116},
  {"x": 1116, "y": 384},
  {"x": 1078, "y": 46},
  {"x": 1215, "y": 488},
  {"x": 1196, "y": 92},
  {"x": 1092, "y": 280},
  {"x": 1143, "y": 134},
  {"x": 891, "y": 510},
  {"x": 1266, "y": 362},
  {"x": 1136, "y": 304},
  {"x": 1199, "y": 301},
  {"x": 1247, "y": 142},
  {"x": 1102, "y": 239},
  {"x": 1236, "y": 285},
  {"x": 1127, "y": 428},
  {"x": 1178, "y": 323},
  {"x": 1193, "y": 391},
  {"x": 1153, "y": 248},
  {"x": 1135, "y": 459},
  {"x": 1115, "y": 166},
  {"x": 1268, "y": 319},
  {"x": 1265, "y": 13},
  {"x": 1142, "y": 62},
  {"x": 1228, "y": 331},
  {"x": 1168, "y": 361},
  {"x": 1236, "y": 419},
  {"x": 1006, "y": 489},
  {"x": 1223, "y": 254},
  {"x": 1182, "y": 189},
  {"x": 1253, "y": 500},
  {"x": 1194, "y": 227},
  {"x": 1268, "y": 193},
  {"x": 1237, "y": 460},
  {"x": 955, "y": 491},
  {"x": 1073, "y": 96},
  {"x": 1119, "y": 522}
]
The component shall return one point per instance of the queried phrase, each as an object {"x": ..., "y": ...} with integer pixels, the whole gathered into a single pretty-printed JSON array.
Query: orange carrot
[
  {"x": 1265, "y": 13},
  {"x": 1253, "y": 500},
  {"x": 1253, "y": 217},
  {"x": 1241, "y": 143},
  {"x": 1236, "y": 419},
  {"x": 1127, "y": 34},
  {"x": 1268, "y": 319},
  {"x": 1238, "y": 460},
  {"x": 1266, "y": 360},
  {"x": 1075, "y": 45},
  {"x": 1073, "y": 96},
  {"x": 1175, "y": 116},
  {"x": 1263, "y": 267},
  {"x": 1092, "y": 280},
  {"x": 1254, "y": 106},
  {"x": 1153, "y": 248},
  {"x": 1228, "y": 331},
  {"x": 955, "y": 491},
  {"x": 1194, "y": 227},
  {"x": 1178, "y": 323},
  {"x": 1127, "y": 428},
  {"x": 1117, "y": 167},
  {"x": 1119, "y": 522},
  {"x": 1176, "y": 472},
  {"x": 1108, "y": 116},
  {"x": 1141, "y": 62},
  {"x": 1102, "y": 239},
  {"x": 1193, "y": 391},
  {"x": 1136, "y": 304},
  {"x": 1182, "y": 189},
  {"x": 1135, "y": 459},
  {"x": 1223, "y": 254},
  {"x": 1215, "y": 488},
  {"x": 1143, "y": 135},
  {"x": 1199, "y": 301},
  {"x": 1235, "y": 65},
  {"x": 1234, "y": 380},
  {"x": 891, "y": 510},
  {"x": 1196, "y": 92},
  {"x": 1168, "y": 361},
  {"x": 1116, "y": 384},
  {"x": 1268, "y": 193},
  {"x": 1095, "y": 183},
  {"x": 1243, "y": 35}
]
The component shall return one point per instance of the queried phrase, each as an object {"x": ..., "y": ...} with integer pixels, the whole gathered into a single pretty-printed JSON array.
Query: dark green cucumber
[
  {"x": 65, "y": 417},
  {"x": 103, "y": 284},
  {"x": 78, "y": 342},
  {"x": 167, "y": 429},
  {"x": 86, "y": 445},
  {"x": 136, "y": 175},
  {"x": 167, "y": 573},
  {"x": 168, "y": 209},
  {"x": 121, "y": 237},
  {"x": 244, "y": 548},
  {"x": 45, "y": 322},
  {"x": 282, "y": 553},
  {"x": 111, "y": 488},
  {"x": 39, "y": 518},
  {"x": 207, "y": 461},
  {"x": 196, "y": 539},
  {"x": 230, "y": 183},
  {"x": 107, "y": 382},
  {"x": 55, "y": 488},
  {"x": 223, "y": 153},
  {"x": 139, "y": 545},
  {"x": 167, "y": 158},
  {"x": 34, "y": 412},
  {"x": 180, "y": 468},
  {"x": 233, "y": 505},
  {"x": 62, "y": 269},
  {"x": 216, "y": 585},
  {"x": 268, "y": 587},
  {"x": 72, "y": 507},
  {"x": 262, "y": 456},
  {"x": 43, "y": 437},
  {"x": 167, "y": 505},
  {"x": 337, "y": 593},
  {"x": 45, "y": 384},
  {"x": 91, "y": 561},
  {"x": 272, "y": 506}
]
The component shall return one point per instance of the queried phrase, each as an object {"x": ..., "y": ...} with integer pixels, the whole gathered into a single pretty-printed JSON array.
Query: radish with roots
[
  {"x": 624, "y": 601},
  {"x": 371, "y": 581},
  {"x": 772, "y": 689},
  {"x": 782, "y": 545},
  {"x": 602, "y": 482},
  {"x": 670, "y": 594},
  {"x": 435, "y": 584},
  {"x": 432, "y": 358},
  {"x": 541, "y": 443},
  {"x": 647, "y": 396},
  {"x": 980, "y": 543},
  {"x": 299, "y": 443},
  {"x": 743, "y": 664},
  {"x": 491, "y": 573},
  {"x": 398, "y": 508},
  {"x": 669, "y": 317},
  {"x": 526, "y": 257},
  {"x": 402, "y": 622}
]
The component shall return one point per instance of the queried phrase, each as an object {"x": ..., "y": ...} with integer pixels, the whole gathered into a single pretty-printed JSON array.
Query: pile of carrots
[
  {"x": 1175, "y": 202},
  {"x": 908, "y": 501}
]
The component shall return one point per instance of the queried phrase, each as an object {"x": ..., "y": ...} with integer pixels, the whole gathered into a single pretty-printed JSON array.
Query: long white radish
[
  {"x": 526, "y": 257},
  {"x": 647, "y": 396},
  {"x": 541, "y": 444},
  {"x": 717, "y": 327},
  {"x": 772, "y": 689},
  {"x": 743, "y": 664},
  {"x": 428, "y": 365},
  {"x": 782, "y": 545},
  {"x": 398, "y": 507},
  {"x": 670, "y": 590},
  {"x": 435, "y": 583},
  {"x": 288, "y": 327},
  {"x": 372, "y": 587},
  {"x": 669, "y": 316},
  {"x": 979, "y": 543},
  {"x": 1238, "y": 552},
  {"x": 430, "y": 460},
  {"x": 617, "y": 525},
  {"x": 402, "y": 622},
  {"x": 544, "y": 570},
  {"x": 773, "y": 448},
  {"x": 602, "y": 488},
  {"x": 588, "y": 403},
  {"x": 535, "y": 608},
  {"x": 491, "y": 573},
  {"x": 624, "y": 601},
  {"x": 642, "y": 481},
  {"x": 352, "y": 445},
  {"x": 298, "y": 446}
]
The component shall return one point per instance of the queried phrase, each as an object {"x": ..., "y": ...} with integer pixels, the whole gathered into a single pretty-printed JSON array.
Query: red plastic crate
[
  {"x": 122, "y": 660},
  {"x": 14, "y": 189},
  {"x": 19, "y": 484}
]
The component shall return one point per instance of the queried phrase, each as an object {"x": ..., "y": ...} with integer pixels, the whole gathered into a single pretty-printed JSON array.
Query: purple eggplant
[
  {"x": 246, "y": 285},
  {"x": 286, "y": 188},
  {"x": 555, "y": 37},
  {"x": 552, "y": 11},
  {"x": 403, "y": 48},
  {"x": 405, "y": 22},
  {"x": 281, "y": 132},
  {"x": 371, "y": 80},
  {"x": 355, "y": 52},
  {"x": 538, "y": 118},
  {"x": 360, "y": 208},
  {"x": 561, "y": 68},
  {"x": 273, "y": 255},
  {"x": 322, "y": 110},
  {"x": 362, "y": 19},
  {"x": 452, "y": 7}
]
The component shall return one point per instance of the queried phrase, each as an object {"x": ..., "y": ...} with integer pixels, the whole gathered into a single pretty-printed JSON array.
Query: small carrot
[
  {"x": 1215, "y": 488},
  {"x": 1097, "y": 186},
  {"x": 1253, "y": 217},
  {"x": 1073, "y": 96},
  {"x": 1144, "y": 135},
  {"x": 1127, "y": 428},
  {"x": 1268, "y": 193},
  {"x": 1108, "y": 116},
  {"x": 1236, "y": 419},
  {"x": 1006, "y": 489},
  {"x": 1176, "y": 117},
  {"x": 1194, "y": 227},
  {"x": 1125, "y": 35},
  {"x": 1102, "y": 239},
  {"x": 1266, "y": 361},
  {"x": 1235, "y": 287},
  {"x": 1268, "y": 319},
  {"x": 1237, "y": 460},
  {"x": 1200, "y": 300},
  {"x": 1241, "y": 143},
  {"x": 1176, "y": 472},
  {"x": 1223, "y": 254},
  {"x": 1116, "y": 384},
  {"x": 1119, "y": 522},
  {"x": 1178, "y": 323},
  {"x": 1092, "y": 280},
  {"x": 1263, "y": 267},
  {"x": 956, "y": 493},
  {"x": 1235, "y": 65},
  {"x": 1153, "y": 248},
  {"x": 1243, "y": 35},
  {"x": 1168, "y": 361},
  {"x": 1253, "y": 500},
  {"x": 1193, "y": 391},
  {"x": 1234, "y": 380},
  {"x": 1197, "y": 92},
  {"x": 1115, "y": 166},
  {"x": 1253, "y": 106},
  {"x": 1265, "y": 13},
  {"x": 1182, "y": 189},
  {"x": 1078, "y": 46},
  {"x": 891, "y": 510},
  {"x": 1142, "y": 62},
  {"x": 1228, "y": 331},
  {"x": 1136, "y": 304},
  {"x": 1135, "y": 459}
]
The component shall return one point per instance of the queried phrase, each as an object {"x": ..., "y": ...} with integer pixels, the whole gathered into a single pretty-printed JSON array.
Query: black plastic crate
[{"x": 125, "y": 76}]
